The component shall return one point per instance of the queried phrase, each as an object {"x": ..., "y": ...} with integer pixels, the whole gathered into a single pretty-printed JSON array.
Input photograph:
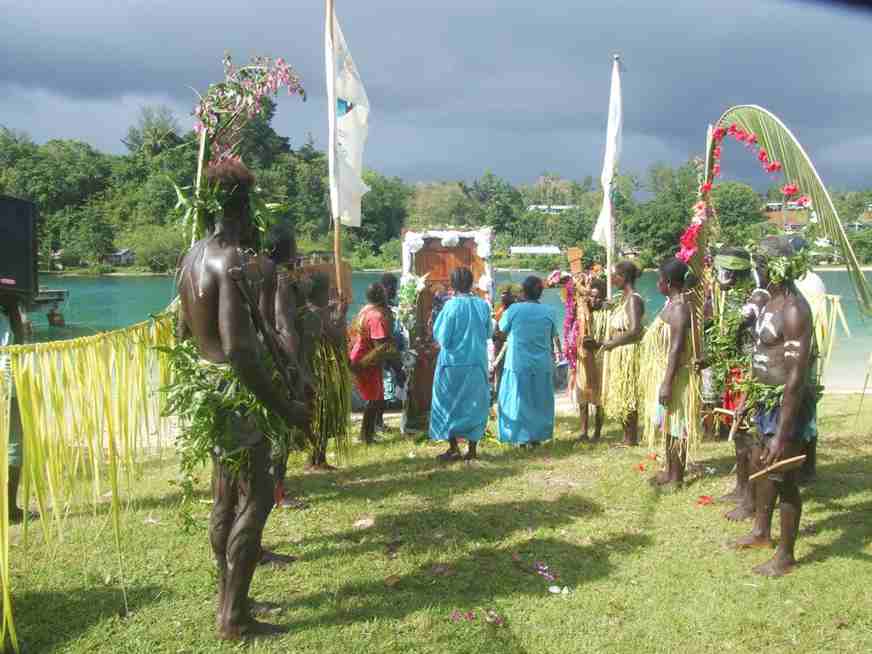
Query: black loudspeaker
[{"x": 18, "y": 247}]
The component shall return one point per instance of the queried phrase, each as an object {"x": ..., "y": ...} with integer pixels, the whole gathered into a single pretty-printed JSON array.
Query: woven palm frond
[
  {"x": 89, "y": 411},
  {"x": 783, "y": 146}
]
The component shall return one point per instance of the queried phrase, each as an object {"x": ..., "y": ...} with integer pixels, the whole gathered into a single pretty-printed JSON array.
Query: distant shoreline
[{"x": 61, "y": 273}]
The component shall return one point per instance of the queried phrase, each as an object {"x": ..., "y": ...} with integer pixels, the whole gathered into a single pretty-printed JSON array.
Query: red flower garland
[{"x": 689, "y": 239}]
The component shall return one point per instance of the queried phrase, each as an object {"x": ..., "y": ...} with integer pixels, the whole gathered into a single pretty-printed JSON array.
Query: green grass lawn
[{"x": 644, "y": 572}]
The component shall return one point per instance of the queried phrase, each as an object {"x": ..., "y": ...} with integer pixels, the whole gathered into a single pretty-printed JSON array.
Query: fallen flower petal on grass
[
  {"x": 364, "y": 523},
  {"x": 653, "y": 456},
  {"x": 554, "y": 590},
  {"x": 640, "y": 467},
  {"x": 456, "y": 616},
  {"x": 705, "y": 500},
  {"x": 494, "y": 618}
]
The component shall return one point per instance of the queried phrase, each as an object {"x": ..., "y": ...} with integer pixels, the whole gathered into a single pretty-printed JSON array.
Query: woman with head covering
[
  {"x": 671, "y": 397},
  {"x": 461, "y": 394},
  {"x": 372, "y": 344},
  {"x": 526, "y": 396}
]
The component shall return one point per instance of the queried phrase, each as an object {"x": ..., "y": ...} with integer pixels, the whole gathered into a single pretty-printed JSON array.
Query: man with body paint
[{"x": 782, "y": 357}]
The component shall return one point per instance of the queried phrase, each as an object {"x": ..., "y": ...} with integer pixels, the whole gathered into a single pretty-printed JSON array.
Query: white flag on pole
[
  {"x": 348, "y": 110},
  {"x": 603, "y": 232}
]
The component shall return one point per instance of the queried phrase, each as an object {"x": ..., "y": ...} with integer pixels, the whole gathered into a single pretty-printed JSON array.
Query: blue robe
[
  {"x": 461, "y": 394},
  {"x": 526, "y": 396}
]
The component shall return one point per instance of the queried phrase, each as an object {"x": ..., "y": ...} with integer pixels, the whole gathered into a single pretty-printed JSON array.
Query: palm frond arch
[
  {"x": 782, "y": 146},
  {"x": 765, "y": 131}
]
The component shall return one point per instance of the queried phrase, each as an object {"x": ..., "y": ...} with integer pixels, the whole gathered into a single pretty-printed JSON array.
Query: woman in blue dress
[
  {"x": 461, "y": 394},
  {"x": 526, "y": 396}
]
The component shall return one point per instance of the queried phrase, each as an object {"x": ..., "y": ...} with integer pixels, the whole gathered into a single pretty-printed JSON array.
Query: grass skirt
[
  {"x": 680, "y": 420},
  {"x": 331, "y": 401},
  {"x": 621, "y": 381}
]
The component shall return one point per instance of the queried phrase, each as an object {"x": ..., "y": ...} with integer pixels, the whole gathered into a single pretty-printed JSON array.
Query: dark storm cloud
[{"x": 457, "y": 87}]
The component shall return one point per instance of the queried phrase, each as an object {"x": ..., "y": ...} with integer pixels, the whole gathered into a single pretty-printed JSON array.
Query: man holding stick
[{"x": 783, "y": 399}]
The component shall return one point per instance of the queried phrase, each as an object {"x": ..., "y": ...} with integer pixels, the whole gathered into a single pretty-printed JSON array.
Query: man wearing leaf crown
[
  {"x": 783, "y": 398},
  {"x": 231, "y": 413}
]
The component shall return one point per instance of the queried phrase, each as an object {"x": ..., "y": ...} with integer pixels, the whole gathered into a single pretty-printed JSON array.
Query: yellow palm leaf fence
[{"x": 89, "y": 411}]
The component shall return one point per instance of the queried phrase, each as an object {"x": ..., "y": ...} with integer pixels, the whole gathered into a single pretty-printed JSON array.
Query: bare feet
[
  {"x": 261, "y": 609},
  {"x": 778, "y": 566},
  {"x": 319, "y": 467},
  {"x": 277, "y": 560},
  {"x": 251, "y": 629},
  {"x": 740, "y": 513},
  {"x": 752, "y": 542},
  {"x": 297, "y": 503},
  {"x": 449, "y": 456},
  {"x": 662, "y": 478}
]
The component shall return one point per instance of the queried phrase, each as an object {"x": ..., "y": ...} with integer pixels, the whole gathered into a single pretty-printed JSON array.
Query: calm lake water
[{"x": 104, "y": 303}]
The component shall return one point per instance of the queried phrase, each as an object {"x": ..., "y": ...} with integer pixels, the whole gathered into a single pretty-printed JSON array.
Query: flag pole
[
  {"x": 331, "y": 112},
  {"x": 610, "y": 245}
]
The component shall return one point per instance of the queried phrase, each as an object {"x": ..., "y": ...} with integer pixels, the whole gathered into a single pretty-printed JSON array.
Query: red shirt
[{"x": 371, "y": 327}]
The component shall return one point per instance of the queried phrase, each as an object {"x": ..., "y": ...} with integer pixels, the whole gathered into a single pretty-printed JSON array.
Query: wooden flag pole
[
  {"x": 331, "y": 112},
  {"x": 610, "y": 245}
]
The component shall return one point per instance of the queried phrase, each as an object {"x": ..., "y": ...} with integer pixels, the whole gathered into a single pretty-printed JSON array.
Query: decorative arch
[{"x": 777, "y": 150}]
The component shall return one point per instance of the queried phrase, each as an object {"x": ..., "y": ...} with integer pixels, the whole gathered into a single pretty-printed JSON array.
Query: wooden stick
[
  {"x": 201, "y": 156},
  {"x": 331, "y": 111},
  {"x": 791, "y": 463}
]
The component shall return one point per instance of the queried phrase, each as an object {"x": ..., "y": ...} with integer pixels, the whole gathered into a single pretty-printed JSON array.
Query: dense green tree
[
  {"x": 384, "y": 210},
  {"x": 156, "y": 129},
  {"x": 156, "y": 247},
  {"x": 656, "y": 225},
  {"x": 260, "y": 145},
  {"x": 443, "y": 204},
  {"x": 738, "y": 207}
]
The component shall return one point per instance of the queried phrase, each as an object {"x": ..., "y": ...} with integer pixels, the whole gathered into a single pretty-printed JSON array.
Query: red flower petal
[{"x": 705, "y": 500}]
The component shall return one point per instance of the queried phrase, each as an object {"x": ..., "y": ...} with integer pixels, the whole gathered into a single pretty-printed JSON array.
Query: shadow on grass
[
  {"x": 835, "y": 483},
  {"x": 428, "y": 478},
  {"x": 480, "y": 580},
  {"x": 48, "y": 619},
  {"x": 481, "y": 523}
]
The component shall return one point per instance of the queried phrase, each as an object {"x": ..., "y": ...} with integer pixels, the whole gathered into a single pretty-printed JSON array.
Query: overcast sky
[{"x": 460, "y": 86}]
